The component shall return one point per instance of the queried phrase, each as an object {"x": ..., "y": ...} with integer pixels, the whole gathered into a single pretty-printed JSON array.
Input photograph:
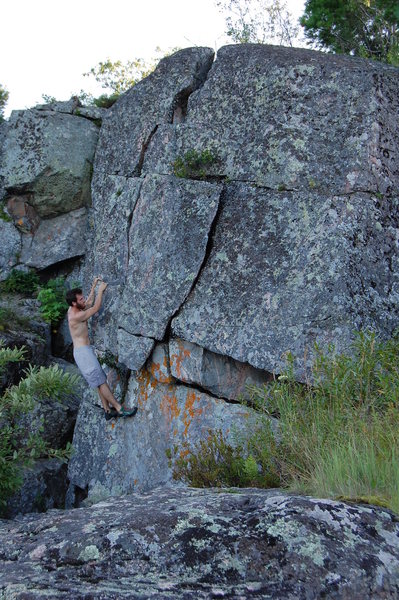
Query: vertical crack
[
  {"x": 146, "y": 143},
  {"x": 208, "y": 250}
]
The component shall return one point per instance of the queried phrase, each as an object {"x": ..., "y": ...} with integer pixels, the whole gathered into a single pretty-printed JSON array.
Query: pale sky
[{"x": 46, "y": 45}]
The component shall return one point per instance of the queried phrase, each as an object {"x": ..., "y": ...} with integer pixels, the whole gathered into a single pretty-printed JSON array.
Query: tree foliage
[
  {"x": 4, "y": 94},
  {"x": 366, "y": 28},
  {"x": 258, "y": 21}
]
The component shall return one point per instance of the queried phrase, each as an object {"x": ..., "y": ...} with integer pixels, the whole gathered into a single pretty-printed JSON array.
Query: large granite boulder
[
  {"x": 292, "y": 118},
  {"x": 203, "y": 544},
  {"x": 49, "y": 155}
]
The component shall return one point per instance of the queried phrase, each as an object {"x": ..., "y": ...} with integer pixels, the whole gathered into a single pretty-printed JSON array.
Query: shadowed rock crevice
[{"x": 146, "y": 143}]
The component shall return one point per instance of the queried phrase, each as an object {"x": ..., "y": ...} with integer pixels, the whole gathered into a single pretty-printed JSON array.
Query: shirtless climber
[{"x": 79, "y": 313}]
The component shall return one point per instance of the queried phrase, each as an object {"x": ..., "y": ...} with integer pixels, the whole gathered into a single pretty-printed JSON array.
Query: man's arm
[
  {"x": 84, "y": 315},
  {"x": 90, "y": 297}
]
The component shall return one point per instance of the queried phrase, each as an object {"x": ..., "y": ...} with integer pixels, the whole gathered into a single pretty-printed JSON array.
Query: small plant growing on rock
[{"x": 194, "y": 165}]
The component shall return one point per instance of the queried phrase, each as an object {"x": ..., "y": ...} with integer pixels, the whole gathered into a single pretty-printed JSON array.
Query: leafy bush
[
  {"x": 18, "y": 451},
  {"x": 338, "y": 434},
  {"x": 21, "y": 282},
  {"x": 46, "y": 383},
  {"x": 193, "y": 164},
  {"x": 52, "y": 299}
]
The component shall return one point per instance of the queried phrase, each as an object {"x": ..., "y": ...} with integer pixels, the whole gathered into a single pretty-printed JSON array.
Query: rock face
[
  {"x": 285, "y": 236},
  {"x": 123, "y": 455},
  {"x": 203, "y": 544},
  {"x": 45, "y": 176},
  {"x": 282, "y": 232},
  {"x": 48, "y": 155}
]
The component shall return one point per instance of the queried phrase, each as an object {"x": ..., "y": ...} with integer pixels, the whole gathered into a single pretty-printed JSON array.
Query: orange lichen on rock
[
  {"x": 170, "y": 407},
  {"x": 147, "y": 384},
  {"x": 190, "y": 412},
  {"x": 157, "y": 372},
  {"x": 177, "y": 359}
]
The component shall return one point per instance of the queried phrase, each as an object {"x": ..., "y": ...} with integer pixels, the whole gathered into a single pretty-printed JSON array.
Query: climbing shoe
[
  {"x": 128, "y": 412},
  {"x": 111, "y": 414}
]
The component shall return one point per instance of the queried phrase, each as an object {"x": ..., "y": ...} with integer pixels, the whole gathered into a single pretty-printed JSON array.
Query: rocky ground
[{"x": 190, "y": 543}]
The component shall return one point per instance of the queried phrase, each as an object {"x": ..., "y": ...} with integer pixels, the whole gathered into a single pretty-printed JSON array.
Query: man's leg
[{"x": 107, "y": 397}]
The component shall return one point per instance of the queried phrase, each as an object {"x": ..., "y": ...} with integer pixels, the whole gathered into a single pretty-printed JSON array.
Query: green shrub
[
  {"x": 105, "y": 101},
  {"x": 214, "y": 462},
  {"x": 17, "y": 451},
  {"x": 21, "y": 282},
  {"x": 193, "y": 164},
  {"x": 52, "y": 300}
]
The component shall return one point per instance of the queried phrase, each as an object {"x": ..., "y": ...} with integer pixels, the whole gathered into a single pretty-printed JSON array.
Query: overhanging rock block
[
  {"x": 288, "y": 269},
  {"x": 290, "y": 118},
  {"x": 114, "y": 200}
]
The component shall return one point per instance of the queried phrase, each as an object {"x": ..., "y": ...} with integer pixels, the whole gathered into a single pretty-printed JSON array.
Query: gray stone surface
[
  {"x": 293, "y": 118},
  {"x": 201, "y": 544},
  {"x": 55, "y": 240},
  {"x": 167, "y": 246},
  {"x": 122, "y": 455},
  {"x": 159, "y": 364},
  {"x": 44, "y": 487},
  {"x": 49, "y": 154},
  {"x": 91, "y": 112},
  {"x": 130, "y": 123},
  {"x": 114, "y": 200},
  {"x": 133, "y": 350},
  {"x": 10, "y": 248},
  {"x": 220, "y": 375},
  {"x": 288, "y": 269}
]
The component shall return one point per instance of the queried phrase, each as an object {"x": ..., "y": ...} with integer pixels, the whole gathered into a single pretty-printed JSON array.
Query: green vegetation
[
  {"x": 338, "y": 435},
  {"x": 16, "y": 449},
  {"x": 21, "y": 282},
  {"x": 216, "y": 463},
  {"x": 4, "y": 94},
  {"x": 4, "y": 216},
  {"x": 194, "y": 165},
  {"x": 51, "y": 296},
  {"x": 366, "y": 28}
]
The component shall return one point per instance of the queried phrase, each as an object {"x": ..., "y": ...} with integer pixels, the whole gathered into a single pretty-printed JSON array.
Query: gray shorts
[{"x": 89, "y": 366}]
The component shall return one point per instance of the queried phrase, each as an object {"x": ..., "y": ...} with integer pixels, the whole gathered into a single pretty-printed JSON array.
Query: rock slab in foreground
[{"x": 189, "y": 543}]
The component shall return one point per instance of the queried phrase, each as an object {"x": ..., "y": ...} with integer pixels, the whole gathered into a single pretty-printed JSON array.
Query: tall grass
[{"x": 338, "y": 433}]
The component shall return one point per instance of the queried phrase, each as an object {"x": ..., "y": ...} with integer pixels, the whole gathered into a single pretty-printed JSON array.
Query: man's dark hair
[{"x": 71, "y": 295}]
